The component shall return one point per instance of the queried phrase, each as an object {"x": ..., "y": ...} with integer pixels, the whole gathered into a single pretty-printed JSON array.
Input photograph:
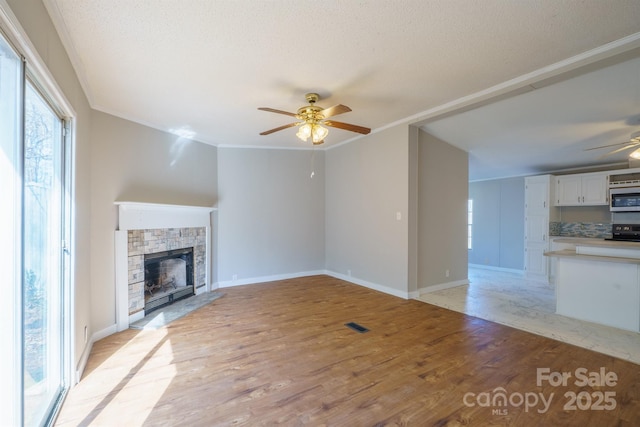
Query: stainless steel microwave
[{"x": 625, "y": 199}]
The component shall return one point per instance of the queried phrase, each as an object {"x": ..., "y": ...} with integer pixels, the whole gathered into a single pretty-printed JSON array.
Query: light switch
[{"x": 399, "y": 215}]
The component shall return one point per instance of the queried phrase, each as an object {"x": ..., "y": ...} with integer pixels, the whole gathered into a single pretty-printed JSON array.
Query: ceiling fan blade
[
  {"x": 606, "y": 146},
  {"x": 273, "y": 110},
  {"x": 347, "y": 126},
  {"x": 621, "y": 149},
  {"x": 290, "y": 125},
  {"x": 335, "y": 110}
]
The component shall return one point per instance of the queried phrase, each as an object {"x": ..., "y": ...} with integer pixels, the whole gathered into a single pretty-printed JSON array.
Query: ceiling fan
[
  {"x": 312, "y": 118},
  {"x": 633, "y": 142}
]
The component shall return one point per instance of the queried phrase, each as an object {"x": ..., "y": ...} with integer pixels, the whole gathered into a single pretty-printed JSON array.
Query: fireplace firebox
[{"x": 168, "y": 277}]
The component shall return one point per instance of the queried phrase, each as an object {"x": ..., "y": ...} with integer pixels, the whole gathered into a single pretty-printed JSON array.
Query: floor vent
[{"x": 356, "y": 327}]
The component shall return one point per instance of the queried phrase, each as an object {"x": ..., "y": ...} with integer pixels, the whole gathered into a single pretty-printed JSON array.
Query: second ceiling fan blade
[
  {"x": 335, "y": 110},
  {"x": 290, "y": 125},
  {"x": 626, "y": 147},
  {"x": 273, "y": 110},
  {"x": 608, "y": 145},
  {"x": 347, "y": 126}
]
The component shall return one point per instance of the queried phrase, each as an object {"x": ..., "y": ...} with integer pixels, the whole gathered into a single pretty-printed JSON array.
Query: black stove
[{"x": 625, "y": 232}]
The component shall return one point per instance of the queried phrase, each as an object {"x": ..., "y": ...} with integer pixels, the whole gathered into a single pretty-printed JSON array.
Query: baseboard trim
[
  {"x": 370, "y": 285},
  {"x": 442, "y": 286},
  {"x": 83, "y": 361},
  {"x": 355, "y": 281},
  {"x": 110, "y": 330},
  {"x": 263, "y": 279},
  {"x": 491, "y": 267}
]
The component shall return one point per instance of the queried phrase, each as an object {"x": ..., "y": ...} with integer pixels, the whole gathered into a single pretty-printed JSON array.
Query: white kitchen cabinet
[
  {"x": 536, "y": 263},
  {"x": 536, "y": 227},
  {"x": 537, "y": 194},
  {"x": 568, "y": 190},
  {"x": 539, "y": 212},
  {"x": 585, "y": 189},
  {"x": 600, "y": 282},
  {"x": 558, "y": 243}
]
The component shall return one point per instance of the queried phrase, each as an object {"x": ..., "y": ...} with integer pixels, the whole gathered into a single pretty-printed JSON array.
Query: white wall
[
  {"x": 367, "y": 185},
  {"x": 591, "y": 214},
  {"x": 442, "y": 213},
  {"x": 270, "y": 219},
  {"x": 498, "y": 223},
  {"x": 132, "y": 162},
  {"x": 35, "y": 21}
]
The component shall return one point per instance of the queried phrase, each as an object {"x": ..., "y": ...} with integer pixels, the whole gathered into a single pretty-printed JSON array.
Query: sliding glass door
[
  {"x": 43, "y": 267},
  {"x": 34, "y": 224}
]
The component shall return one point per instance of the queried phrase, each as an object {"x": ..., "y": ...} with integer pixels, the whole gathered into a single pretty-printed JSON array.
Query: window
[
  {"x": 35, "y": 317},
  {"x": 470, "y": 224}
]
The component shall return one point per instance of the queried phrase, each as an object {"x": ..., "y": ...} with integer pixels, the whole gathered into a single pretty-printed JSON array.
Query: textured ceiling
[{"x": 204, "y": 66}]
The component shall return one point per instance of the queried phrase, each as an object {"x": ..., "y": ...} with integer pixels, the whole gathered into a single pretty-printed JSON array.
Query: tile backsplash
[{"x": 580, "y": 229}]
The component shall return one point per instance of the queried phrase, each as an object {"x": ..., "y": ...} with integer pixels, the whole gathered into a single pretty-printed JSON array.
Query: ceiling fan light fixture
[
  {"x": 318, "y": 134},
  {"x": 635, "y": 154},
  {"x": 304, "y": 132},
  {"x": 314, "y": 131}
]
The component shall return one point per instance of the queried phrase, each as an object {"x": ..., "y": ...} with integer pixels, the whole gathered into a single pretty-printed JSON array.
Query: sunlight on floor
[{"x": 151, "y": 374}]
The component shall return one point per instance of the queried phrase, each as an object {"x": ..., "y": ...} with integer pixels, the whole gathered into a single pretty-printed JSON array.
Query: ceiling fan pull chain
[{"x": 313, "y": 162}]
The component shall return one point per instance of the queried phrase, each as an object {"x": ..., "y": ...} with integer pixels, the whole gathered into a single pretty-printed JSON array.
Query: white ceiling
[
  {"x": 204, "y": 66},
  {"x": 548, "y": 129}
]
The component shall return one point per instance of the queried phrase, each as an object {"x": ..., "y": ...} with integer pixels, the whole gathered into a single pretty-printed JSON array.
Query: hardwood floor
[{"x": 279, "y": 354}]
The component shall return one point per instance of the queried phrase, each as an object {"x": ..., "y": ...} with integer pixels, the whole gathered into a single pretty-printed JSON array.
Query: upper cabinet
[
  {"x": 584, "y": 189},
  {"x": 537, "y": 194}
]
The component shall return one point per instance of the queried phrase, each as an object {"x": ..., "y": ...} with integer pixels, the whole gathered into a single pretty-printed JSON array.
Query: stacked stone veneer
[{"x": 143, "y": 242}]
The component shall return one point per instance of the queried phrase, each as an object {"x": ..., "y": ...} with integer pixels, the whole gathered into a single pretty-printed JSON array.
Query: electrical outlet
[
  {"x": 349, "y": 273},
  {"x": 235, "y": 277},
  {"x": 446, "y": 273}
]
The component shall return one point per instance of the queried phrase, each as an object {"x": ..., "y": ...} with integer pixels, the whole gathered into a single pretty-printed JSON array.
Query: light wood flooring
[{"x": 279, "y": 354}]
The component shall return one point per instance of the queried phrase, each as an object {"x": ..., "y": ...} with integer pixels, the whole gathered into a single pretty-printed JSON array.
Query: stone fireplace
[
  {"x": 164, "y": 265},
  {"x": 162, "y": 255}
]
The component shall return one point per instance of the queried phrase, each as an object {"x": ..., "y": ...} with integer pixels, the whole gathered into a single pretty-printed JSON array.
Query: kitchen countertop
[
  {"x": 588, "y": 241},
  {"x": 567, "y": 253}
]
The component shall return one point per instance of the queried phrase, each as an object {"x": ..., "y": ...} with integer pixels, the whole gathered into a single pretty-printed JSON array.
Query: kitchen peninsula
[{"x": 599, "y": 282}]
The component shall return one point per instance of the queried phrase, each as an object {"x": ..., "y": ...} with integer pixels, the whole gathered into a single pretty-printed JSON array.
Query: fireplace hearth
[{"x": 168, "y": 277}]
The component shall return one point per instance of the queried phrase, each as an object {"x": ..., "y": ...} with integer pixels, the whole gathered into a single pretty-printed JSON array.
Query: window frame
[{"x": 470, "y": 224}]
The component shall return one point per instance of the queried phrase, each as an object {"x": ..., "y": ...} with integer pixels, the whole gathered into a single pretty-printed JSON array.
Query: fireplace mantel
[
  {"x": 143, "y": 216},
  {"x": 139, "y": 216}
]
